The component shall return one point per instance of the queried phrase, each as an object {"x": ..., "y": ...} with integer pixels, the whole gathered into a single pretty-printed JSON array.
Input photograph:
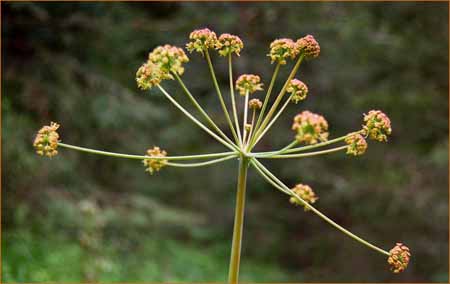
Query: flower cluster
[
  {"x": 310, "y": 127},
  {"x": 153, "y": 165},
  {"x": 377, "y": 125},
  {"x": 306, "y": 193},
  {"x": 46, "y": 141},
  {"x": 228, "y": 44},
  {"x": 399, "y": 257},
  {"x": 148, "y": 76},
  {"x": 248, "y": 83},
  {"x": 357, "y": 145},
  {"x": 201, "y": 40},
  {"x": 254, "y": 104},
  {"x": 282, "y": 49},
  {"x": 308, "y": 46},
  {"x": 298, "y": 89},
  {"x": 169, "y": 58}
]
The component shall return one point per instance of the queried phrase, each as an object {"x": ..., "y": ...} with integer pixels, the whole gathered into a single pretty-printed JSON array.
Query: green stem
[
  {"x": 140, "y": 157},
  {"x": 244, "y": 132},
  {"x": 202, "y": 111},
  {"x": 251, "y": 130},
  {"x": 309, "y": 154},
  {"x": 266, "y": 99},
  {"x": 272, "y": 179},
  {"x": 233, "y": 100},
  {"x": 279, "y": 97},
  {"x": 201, "y": 164},
  {"x": 233, "y": 274},
  {"x": 219, "y": 94},
  {"x": 183, "y": 110}
]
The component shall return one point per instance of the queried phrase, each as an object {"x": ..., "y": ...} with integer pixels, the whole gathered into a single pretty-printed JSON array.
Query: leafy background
[{"x": 81, "y": 217}]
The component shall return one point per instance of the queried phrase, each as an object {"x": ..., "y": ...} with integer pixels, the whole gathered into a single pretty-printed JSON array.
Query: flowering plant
[{"x": 167, "y": 63}]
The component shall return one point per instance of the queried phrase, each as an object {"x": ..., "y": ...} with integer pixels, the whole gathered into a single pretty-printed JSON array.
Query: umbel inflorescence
[{"x": 310, "y": 129}]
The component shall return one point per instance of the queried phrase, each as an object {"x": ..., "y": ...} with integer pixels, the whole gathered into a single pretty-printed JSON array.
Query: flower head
[
  {"x": 310, "y": 127},
  {"x": 357, "y": 145},
  {"x": 169, "y": 59},
  {"x": 149, "y": 75},
  {"x": 399, "y": 257},
  {"x": 298, "y": 89},
  {"x": 201, "y": 40},
  {"x": 153, "y": 165},
  {"x": 377, "y": 125},
  {"x": 281, "y": 49},
  {"x": 46, "y": 141},
  {"x": 306, "y": 193},
  {"x": 228, "y": 44},
  {"x": 308, "y": 46},
  {"x": 248, "y": 83},
  {"x": 255, "y": 104}
]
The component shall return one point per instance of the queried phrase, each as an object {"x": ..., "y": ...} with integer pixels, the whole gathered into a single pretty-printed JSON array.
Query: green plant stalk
[
  {"x": 183, "y": 110},
  {"x": 279, "y": 97},
  {"x": 201, "y": 164},
  {"x": 219, "y": 94},
  {"x": 272, "y": 179},
  {"x": 140, "y": 157},
  {"x": 233, "y": 274},
  {"x": 288, "y": 149},
  {"x": 200, "y": 109},
  {"x": 266, "y": 99},
  {"x": 233, "y": 100},
  {"x": 273, "y": 121},
  {"x": 304, "y": 155},
  {"x": 244, "y": 122},
  {"x": 251, "y": 130}
]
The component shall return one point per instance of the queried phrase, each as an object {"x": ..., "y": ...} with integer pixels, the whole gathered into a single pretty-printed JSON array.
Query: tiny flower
[
  {"x": 308, "y": 46},
  {"x": 46, "y": 141},
  {"x": 228, "y": 44},
  {"x": 170, "y": 59},
  {"x": 248, "y": 83},
  {"x": 377, "y": 125},
  {"x": 310, "y": 127},
  {"x": 148, "y": 76},
  {"x": 298, "y": 89},
  {"x": 153, "y": 165},
  {"x": 306, "y": 193},
  {"x": 201, "y": 40},
  {"x": 255, "y": 104},
  {"x": 248, "y": 127},
  {"x": 357, "y": 145},
  {"x": 399, "y": 257},
  {"x": 281, "y": 49}
]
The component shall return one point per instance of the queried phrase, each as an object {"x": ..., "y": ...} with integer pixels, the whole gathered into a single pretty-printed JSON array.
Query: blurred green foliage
[{"x": 74, "y": 63}]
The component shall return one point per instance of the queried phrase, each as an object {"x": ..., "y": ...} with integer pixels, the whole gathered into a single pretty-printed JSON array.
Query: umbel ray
[{"x": 247, "y": 129}]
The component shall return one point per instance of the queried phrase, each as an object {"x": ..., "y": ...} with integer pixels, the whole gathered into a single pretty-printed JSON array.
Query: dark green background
[{"x": 75, "y": 63}]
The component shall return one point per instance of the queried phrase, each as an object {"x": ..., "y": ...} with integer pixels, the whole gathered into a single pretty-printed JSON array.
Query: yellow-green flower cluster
[
  {"x": 399, "y": 257},
  {"x": 201, "y": 40},
  {"x": 149, "y": 75},
  {"x": 298, "y": 89},
  {"x": 228, "y": 44},
  {"x": 308, "y": 46},
  {"x": 46, "y": 141},
  {"x": 306, "y": 193},
  {"x": 248, "y": 83},
  {"x": 377, "y": 125},
  {"x": 310, "y": 127},
  {"x": 282, "y": 49},
  {"x": 170, "y": 59},
  {"x": 254, "y": 104},
  {"x": 357, "y": 145},
  {"x": 153, "y": 165}
]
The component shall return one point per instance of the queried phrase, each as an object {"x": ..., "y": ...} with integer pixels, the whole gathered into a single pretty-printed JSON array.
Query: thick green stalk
[
  {"x": 272, "y": 179},
  {"x": 219, "y": 94},
  {"x": 233, "y": 274},
  {"x": 233, "y": 100},
  {"x": 140, "y": 157},
  {"x": 202, "y": 111}
]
